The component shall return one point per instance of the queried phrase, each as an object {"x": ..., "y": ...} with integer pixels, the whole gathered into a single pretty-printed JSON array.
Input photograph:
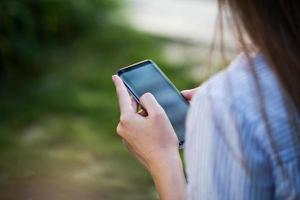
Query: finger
[
  {"x": 134, "y": 104},
  {"x": 188, "y": 94},
  {"x": 138, "y": 108},
  {"x": 123, "y": 95},
  {"x": 150, "y": 104},
  {"x": 142, "y": 112}
]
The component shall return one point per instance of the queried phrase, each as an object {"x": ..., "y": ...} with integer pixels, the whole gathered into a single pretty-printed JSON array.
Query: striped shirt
[{"x": 231, "y": 151}]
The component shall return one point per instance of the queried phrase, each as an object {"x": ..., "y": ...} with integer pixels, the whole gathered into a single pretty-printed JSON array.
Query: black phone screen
[{"x": 147, "y": 77}]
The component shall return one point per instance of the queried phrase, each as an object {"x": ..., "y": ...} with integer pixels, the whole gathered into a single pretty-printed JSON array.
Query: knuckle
[
  {"x": 120, "y": 130},
  {"x": 158, "y": 114},
  {"x": 125, "y": 119},
  {"x": 119, "y": 127}
]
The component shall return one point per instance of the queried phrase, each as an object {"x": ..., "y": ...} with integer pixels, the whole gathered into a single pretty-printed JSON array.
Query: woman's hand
[
  {"x": 152, "y": 140},
  {"x": 149, "y": 138}
]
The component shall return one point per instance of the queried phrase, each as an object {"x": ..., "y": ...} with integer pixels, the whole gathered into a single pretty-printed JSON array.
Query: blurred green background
[{"x": 58, "y": 108}]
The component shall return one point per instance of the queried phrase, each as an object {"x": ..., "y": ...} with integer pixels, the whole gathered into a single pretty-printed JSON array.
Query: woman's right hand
[{"x": 189, "y": 94}]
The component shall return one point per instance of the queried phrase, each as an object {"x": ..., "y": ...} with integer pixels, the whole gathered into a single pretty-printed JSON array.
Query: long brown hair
[{"x": 273, "y": 28}]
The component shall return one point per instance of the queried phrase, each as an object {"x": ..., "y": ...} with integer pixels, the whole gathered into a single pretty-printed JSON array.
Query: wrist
[
  {"x": 168, "y": 177},
  {"x": 167, "y": 163}
]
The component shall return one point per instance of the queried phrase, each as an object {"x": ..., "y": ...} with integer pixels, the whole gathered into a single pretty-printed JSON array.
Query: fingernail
[{"x": 148, "y": 95}]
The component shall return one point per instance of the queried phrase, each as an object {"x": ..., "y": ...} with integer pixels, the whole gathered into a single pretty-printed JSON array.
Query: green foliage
[
  {"x": 57, "y": 128},
  {"x": 57, "y": 133},
  {"x": 30, "y": 28}
]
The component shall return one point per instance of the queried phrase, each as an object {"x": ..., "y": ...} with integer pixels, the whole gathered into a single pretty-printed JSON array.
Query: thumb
[{"x": 150, "y": 104}]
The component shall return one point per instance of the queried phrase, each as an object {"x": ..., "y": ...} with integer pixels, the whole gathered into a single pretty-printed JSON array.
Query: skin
[{"x": 150, "y": 138}]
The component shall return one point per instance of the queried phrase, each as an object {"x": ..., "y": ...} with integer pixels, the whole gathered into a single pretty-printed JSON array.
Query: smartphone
[{"x": 146, "y": 76}]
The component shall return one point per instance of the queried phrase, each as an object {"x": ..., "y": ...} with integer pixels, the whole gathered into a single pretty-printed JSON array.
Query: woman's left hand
[{"x": 151, "y": 139}]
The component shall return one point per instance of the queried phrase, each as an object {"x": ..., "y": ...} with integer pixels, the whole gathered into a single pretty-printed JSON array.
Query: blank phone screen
[{"x": 147, "y": 77}]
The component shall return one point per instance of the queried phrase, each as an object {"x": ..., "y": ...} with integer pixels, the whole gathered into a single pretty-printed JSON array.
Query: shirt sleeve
[{"x": 224, "y": 159}]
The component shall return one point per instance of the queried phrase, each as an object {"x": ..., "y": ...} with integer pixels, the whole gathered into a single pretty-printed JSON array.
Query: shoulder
[
  {"x": 241, "y": 86},
  {"x": 236, "y": 98},
  {"x": 228, "y": 104}
]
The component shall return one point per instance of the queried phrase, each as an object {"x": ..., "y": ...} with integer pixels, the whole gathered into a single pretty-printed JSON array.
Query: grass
[{"x": 57, "y": 131}]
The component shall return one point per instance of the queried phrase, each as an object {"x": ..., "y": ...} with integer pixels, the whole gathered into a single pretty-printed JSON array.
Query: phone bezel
[{"x": 141, "y": 64}]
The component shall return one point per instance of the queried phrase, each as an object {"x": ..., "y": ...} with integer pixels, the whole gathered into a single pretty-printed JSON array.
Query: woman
[{"x": 242, "y": 139}]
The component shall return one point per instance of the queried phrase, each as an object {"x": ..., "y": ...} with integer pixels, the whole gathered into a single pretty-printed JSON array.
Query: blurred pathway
[
  {"x": 189, "y": 23},
  {"x": 188, "y": 20}
]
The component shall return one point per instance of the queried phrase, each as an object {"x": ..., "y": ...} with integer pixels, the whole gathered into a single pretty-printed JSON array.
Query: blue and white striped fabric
[{"x": 232, "y": 151}]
